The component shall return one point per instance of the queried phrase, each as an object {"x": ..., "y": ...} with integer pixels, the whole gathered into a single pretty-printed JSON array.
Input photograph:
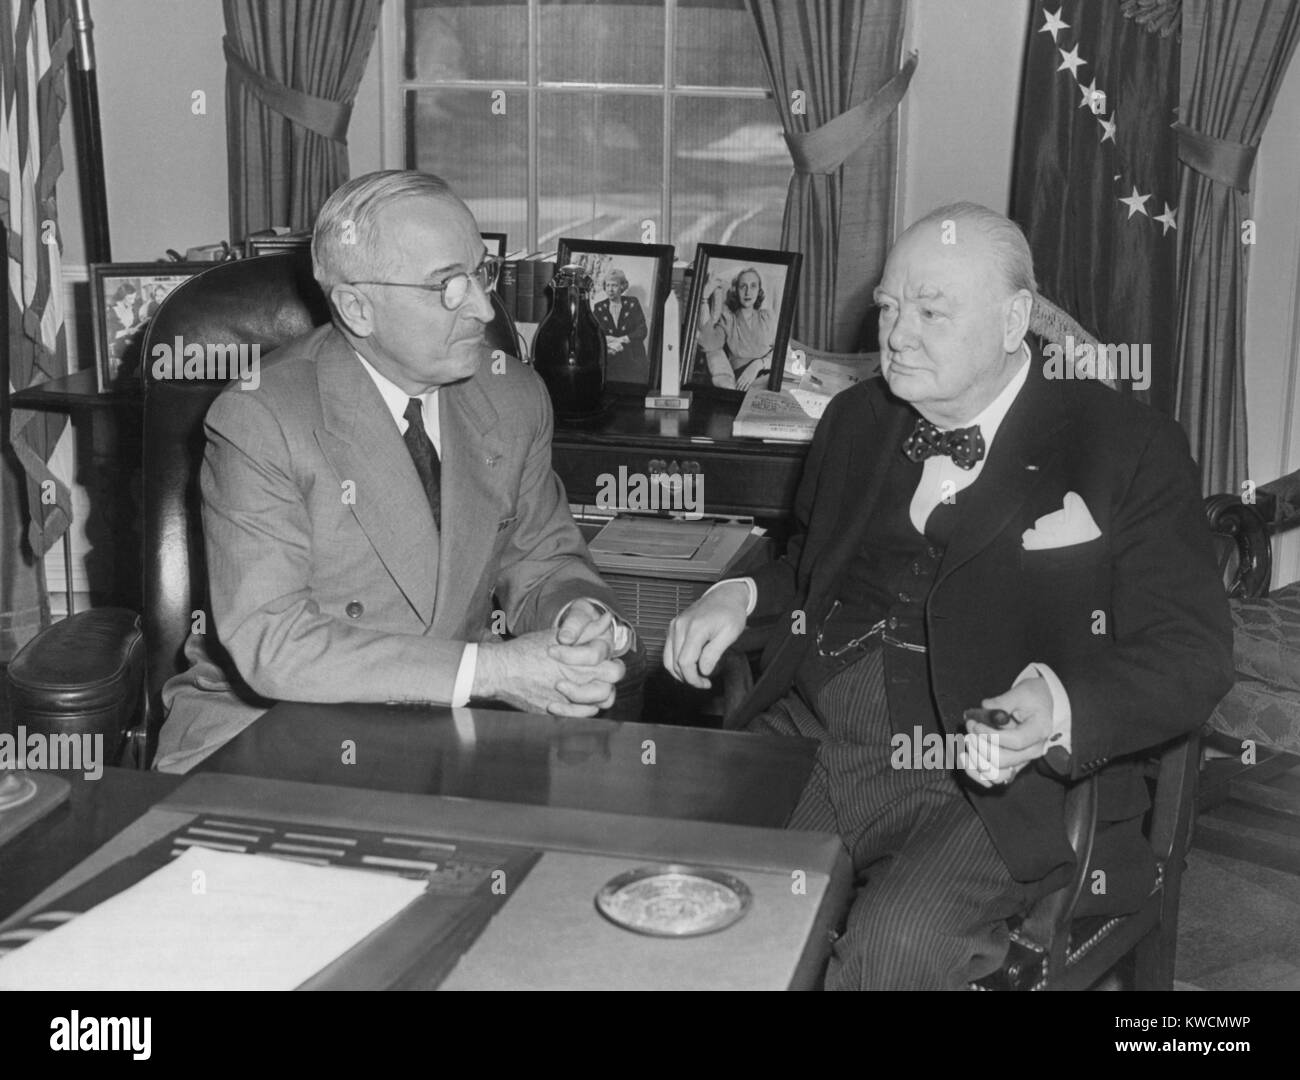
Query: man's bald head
[{"x": 985, "y": 233}]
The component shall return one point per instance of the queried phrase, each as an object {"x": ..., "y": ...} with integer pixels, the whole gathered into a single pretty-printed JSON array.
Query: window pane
[
  {"x": 717, "y": 45},
  {"x": 731, "y": 170},
  {"x": 449, "y": 41},
  {"x": 483, "y": 155},
  {"x": 616, "y": 41},
  {"x": 600, "y": 167}
]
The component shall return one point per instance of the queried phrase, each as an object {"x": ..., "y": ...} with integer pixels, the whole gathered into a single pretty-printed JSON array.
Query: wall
[{"x": 959, "y": 115}]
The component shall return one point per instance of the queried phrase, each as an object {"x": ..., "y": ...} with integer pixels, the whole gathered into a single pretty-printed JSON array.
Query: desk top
[
  {"x": 647, "y": 769},
  {"x": 548, "y": 934}
]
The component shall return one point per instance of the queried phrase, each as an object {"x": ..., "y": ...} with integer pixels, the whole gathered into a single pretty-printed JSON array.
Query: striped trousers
[{"x": 931, "y": 894}]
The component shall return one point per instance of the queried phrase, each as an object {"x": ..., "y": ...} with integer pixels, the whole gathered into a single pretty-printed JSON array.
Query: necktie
[
  {"x": 425, "y": 457},
  {"x": 964, "y": 445}
]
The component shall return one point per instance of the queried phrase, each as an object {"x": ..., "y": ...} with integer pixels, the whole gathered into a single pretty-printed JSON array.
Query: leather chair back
[{"x": 266, "y": 301}]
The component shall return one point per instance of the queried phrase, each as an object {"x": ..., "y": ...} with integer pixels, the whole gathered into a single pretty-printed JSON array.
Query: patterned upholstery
[{"x": 1264, "y": 704}]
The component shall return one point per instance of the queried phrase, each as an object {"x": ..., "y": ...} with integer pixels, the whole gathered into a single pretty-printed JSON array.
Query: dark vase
[{"x": 569, "y": 349}]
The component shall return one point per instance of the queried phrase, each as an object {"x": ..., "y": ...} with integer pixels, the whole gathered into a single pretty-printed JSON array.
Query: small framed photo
[
  {"x": 123, "y": 298},
  {"x": 629, "y": 283},
  {"x": 495, "y": 242},
  {"x": 738, "y": 317},
  {"x": 272, "y": 243}
]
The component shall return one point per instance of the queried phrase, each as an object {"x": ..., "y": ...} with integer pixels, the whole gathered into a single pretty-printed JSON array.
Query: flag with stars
[{"x": 1096, "y": 173}]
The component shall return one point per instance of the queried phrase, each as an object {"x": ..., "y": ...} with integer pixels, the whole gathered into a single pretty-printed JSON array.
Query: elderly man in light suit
[
  {"x": 976, "y": 532},
  {"x": 384, "y": 487}
]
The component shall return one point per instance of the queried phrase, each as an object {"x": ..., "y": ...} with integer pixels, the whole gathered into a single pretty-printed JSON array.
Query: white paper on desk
[
  {"x": 259, "y": 923},
  {"x": 651, "y": 539}
]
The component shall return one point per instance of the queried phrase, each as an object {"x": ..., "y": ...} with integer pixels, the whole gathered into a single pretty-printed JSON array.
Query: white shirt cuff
[
  {"x": 748, "y": 582},
  {"x": 1062, "y": 718},
  {"x": 624, "y": 636},
  {"x": 465, "y": 676}
]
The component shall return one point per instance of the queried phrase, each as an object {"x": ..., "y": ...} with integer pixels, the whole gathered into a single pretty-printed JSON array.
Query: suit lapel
[
  {"x": 472, "y": 468},
  {"x": 1025, "y": 449},
  {"x": 871, "y": 441},
  {"x": 361, "y": 442}
]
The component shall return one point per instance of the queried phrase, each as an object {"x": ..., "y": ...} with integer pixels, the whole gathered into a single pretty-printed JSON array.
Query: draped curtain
[
  {"x": 1234, "y": 54},
  {"x": 35, "y": 38},
  {"x": 293, "y": 68},
  {"x": 833, "y": 68}
]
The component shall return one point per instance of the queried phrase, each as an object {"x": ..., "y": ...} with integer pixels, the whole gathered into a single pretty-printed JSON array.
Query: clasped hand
[{"x": 568, "y": 671}]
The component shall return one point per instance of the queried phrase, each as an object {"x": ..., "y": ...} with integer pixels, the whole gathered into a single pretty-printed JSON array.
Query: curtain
[
  {"x": 292, "y": 72},
  {"x": 1234, "y": 54},
  {"x": 1095, "y": 183},
  {"x": 35, "y": 38},
  {"x": 833, "y": 68}
]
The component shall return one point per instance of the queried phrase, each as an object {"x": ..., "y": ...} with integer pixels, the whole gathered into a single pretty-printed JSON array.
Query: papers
[
  {"x": 651, "y": 539},
  {"x": 688, "y": 550},
  {"x": 213, "y": 920},
  {"x": 769, "y": 414}
]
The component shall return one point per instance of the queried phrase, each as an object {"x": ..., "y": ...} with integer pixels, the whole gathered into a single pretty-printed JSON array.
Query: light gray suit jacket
[{"x": 327, "y": 578}]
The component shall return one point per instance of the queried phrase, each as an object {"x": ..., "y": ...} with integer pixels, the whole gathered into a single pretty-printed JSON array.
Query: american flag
[{"x": 35, "y": 38}]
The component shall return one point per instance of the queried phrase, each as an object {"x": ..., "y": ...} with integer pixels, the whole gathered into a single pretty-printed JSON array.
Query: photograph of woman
[
  {"x": 737, "y": 329},
  {"x": 624, "y": 325}
]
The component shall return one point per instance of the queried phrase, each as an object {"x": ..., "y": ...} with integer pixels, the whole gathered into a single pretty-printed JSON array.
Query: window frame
[{"x": 397, "y": 90}]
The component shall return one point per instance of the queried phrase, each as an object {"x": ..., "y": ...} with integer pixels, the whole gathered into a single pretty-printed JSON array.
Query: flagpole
[{"x": 90, "y": 140}]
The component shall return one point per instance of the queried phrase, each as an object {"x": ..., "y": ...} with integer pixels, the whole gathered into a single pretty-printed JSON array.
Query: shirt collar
[
  {"x": 992, "y": 415},
  {"x": 396, "y": 398}
]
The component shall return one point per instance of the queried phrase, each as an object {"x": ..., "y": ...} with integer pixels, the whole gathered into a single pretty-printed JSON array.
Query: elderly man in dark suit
[
  {"x": 384, "y": 486},
  {"x": 975, "y": 534}
]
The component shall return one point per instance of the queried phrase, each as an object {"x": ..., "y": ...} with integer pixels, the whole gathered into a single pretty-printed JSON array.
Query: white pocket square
[{"x": 1072, "y": 524}]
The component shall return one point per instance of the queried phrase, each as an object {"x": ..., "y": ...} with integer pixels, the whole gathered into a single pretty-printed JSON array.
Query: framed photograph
[
  {"x": 123, "y": 298},
  {"x": 737, "y": 318},
  {"x": 495, "y": 242},
  {"x": 268, "y": 243},
  {"x": 629, "y": 283}
]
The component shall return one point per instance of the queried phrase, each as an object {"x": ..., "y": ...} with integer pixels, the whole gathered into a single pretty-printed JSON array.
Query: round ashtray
[
  {"x": 16, "y": 790},
  {"x": 674, "y": 901}
]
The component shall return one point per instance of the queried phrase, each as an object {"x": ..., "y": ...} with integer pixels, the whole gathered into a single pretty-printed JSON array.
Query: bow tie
[{"x": 964, "y": 445}]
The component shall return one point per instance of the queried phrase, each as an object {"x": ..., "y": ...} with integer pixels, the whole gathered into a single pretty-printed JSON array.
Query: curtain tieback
[
  {"x": 327, "y": 118},
  {"x": 825, "y": 149},
  {"x": 1227, "y": 162}
]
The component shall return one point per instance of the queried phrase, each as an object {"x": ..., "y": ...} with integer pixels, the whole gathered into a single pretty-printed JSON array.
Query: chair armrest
[{"x": 1047, "y": 926}]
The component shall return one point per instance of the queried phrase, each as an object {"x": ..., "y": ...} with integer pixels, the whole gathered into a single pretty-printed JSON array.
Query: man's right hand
[
  {"x": 699, "y": 636},
  {"x": 536, "y": 674}
]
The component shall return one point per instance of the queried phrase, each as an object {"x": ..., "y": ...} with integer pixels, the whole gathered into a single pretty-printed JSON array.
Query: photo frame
[
  {"x": 123, "y": 298},
  {"x": 274, "y": 243},
  {"x": 723, "y": 348},
  {"x": 636, "y": 316},
  {"x": 495, "y": 242}
]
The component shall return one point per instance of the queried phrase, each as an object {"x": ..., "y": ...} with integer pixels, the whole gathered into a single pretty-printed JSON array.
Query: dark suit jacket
[
  {"x": 1163, "y": 657},
  {"x": 631, "y": 364},
  {"x": 328, "y": 581}
]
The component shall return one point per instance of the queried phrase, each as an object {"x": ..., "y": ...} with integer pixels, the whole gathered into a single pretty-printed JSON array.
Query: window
[{"x": 630, "y": 120}]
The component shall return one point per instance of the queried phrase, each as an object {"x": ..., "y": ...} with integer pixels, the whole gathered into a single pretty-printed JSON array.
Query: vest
[{"x": 889, "y": 580}]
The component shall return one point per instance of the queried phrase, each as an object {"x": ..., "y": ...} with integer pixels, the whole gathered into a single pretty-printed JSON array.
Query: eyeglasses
[{"x": 455, "y": 290}]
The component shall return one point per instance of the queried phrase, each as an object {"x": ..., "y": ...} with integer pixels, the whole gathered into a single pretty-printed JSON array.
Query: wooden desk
[
  {"x": 647, "y": 769},
  {"x": 547, "y": 932},
  {"x": 741, "y": 476}
]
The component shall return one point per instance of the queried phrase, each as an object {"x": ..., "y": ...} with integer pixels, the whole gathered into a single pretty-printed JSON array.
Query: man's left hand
[
  {"x": 1002, "y": 753},
  {"x": 583, "y": 622}
]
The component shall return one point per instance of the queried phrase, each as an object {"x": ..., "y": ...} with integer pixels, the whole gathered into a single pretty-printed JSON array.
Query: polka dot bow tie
[{"x": 964, "y": 445}]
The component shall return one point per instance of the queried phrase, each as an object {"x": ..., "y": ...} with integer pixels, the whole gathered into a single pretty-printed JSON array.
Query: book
[
  {"x": 525, "y": 284},
  {"x": 773, "y": 414}
]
